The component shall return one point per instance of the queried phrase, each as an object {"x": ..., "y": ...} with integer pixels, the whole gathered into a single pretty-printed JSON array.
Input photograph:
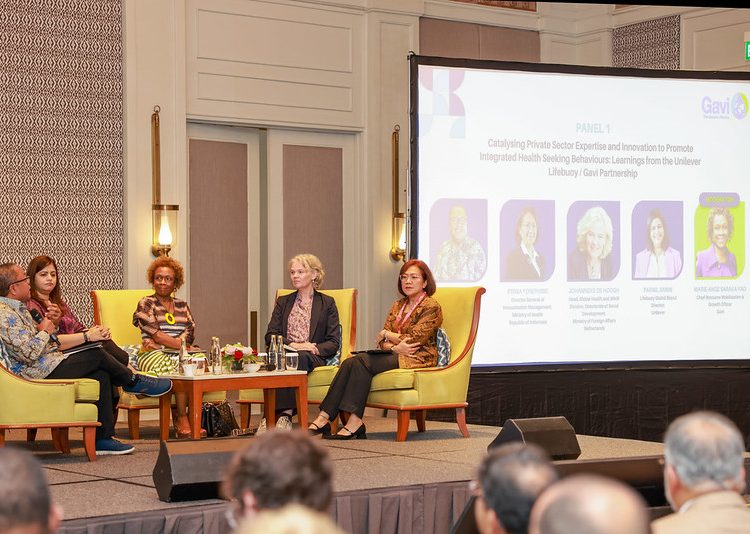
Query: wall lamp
[
  {"x": 163, "y": 216},
  {"x": 398, "y": 218}
]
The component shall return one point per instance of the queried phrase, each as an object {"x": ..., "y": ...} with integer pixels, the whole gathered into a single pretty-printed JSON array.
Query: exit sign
[{"x": 747, "y": 50}]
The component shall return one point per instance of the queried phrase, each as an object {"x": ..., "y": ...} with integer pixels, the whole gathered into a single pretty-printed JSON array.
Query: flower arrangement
[{"x": 237, "y": 354}]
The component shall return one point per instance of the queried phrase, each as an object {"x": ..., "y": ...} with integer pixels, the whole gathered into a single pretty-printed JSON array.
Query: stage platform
[{"x": 418, "y": 486}]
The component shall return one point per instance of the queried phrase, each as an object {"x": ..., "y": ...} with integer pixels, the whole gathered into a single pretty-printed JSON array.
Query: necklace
[
  {"x": 169, "y": 316},
  {"x": 401, "y": 318}
]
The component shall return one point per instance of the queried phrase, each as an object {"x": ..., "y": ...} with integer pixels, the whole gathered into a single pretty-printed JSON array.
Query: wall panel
[{"x": 267, "y": 63}]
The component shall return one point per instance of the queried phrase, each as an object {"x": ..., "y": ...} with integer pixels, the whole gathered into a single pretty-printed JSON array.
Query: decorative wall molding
[
  {"x": 274, "y": 63},
  {"x": 61, "y": 146}
]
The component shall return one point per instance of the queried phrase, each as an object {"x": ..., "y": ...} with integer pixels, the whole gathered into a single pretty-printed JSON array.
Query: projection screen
[{"x": 602, "y": 209}]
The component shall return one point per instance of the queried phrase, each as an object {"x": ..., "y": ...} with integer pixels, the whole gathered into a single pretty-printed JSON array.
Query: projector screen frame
[{"x": 416, "y": 60}]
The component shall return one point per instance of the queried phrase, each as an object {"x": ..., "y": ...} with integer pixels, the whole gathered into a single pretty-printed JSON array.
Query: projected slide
[{"x": 605, "y": 214}]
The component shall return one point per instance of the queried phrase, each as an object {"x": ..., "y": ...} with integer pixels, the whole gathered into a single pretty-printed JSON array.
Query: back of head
[
  {"x": 512, "y": 476},
  {"x": 706, "y": 450},
  {"x": 280, "y": 468},
  {"x": 24, "y": 495},
  {"x": 589, "y": 504},
  {"x": 291, "y": 519}
]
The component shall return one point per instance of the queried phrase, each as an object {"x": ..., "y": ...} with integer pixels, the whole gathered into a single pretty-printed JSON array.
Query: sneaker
[
  {"x": 110, "y": 446},
  {"x": 284, "y": 422},
  {"x": 261, "y": 427},
  {"x": 150, "y": 386}
]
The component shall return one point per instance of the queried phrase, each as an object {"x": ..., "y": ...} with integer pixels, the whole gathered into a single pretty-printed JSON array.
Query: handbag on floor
[{"x": 218, "y": 419}]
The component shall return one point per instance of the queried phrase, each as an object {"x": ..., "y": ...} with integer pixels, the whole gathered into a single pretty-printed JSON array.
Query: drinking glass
[{"x": 292, "y": 361}]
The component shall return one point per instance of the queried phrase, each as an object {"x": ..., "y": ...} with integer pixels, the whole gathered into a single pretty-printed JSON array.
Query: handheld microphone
[{"x": 38, "y": 319}]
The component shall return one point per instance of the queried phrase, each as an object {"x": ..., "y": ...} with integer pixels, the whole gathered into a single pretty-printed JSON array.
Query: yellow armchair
[
  {"x": 419, "y": 390},
  {"x": 320, "y": 379},
  {"x": 114, "y": 308},
  {"x": 54, "y": 404}
]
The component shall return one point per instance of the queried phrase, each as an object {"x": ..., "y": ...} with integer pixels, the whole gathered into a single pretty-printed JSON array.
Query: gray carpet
[{"x": 122, "y": 484}]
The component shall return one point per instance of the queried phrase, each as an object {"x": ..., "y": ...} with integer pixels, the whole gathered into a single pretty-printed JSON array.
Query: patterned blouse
[
  {"x": 298, "y": 325},
  {"x": 150, "y": 317},
  {"x": 69, "y": 323},
  {"x": 421, "y": 327},
  {"x": 25, "y": 351}
]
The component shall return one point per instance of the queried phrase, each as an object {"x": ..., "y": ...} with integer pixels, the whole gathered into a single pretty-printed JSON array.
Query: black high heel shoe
[
  {"x": 360, "y": 433},
  {"x": 325, "y": 429}
]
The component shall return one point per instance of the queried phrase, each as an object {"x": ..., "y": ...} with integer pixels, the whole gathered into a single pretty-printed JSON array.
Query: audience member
[
  {"x": 31, "y": 350},
  {"x": 508, "y": 482},
  {"x": 276, "y": 469},
  {"x": 589, "y": 504},
  {"x": 291, "y": 519},
  {"x": 26, "y": 506},
  {"x": 704, "y": 476}
]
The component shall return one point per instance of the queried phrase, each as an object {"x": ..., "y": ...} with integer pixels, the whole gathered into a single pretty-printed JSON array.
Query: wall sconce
[
  {"x": 163, "y": 216},
  {"x": 398, "y": 218}
]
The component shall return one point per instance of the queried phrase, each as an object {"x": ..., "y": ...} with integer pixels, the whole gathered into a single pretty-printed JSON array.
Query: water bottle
[
  {"x": 183, "y": 355},
  {"x": 214, "y": 361},
  {"x": 281, "y": 354},
  {"x": 271, "y": 358}
]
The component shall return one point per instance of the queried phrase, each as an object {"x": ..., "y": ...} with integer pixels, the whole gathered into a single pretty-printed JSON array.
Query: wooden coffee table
[{"x": 196, "y": 386}]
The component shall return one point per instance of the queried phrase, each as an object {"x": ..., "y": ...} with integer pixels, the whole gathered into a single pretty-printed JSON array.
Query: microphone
[{"x": 38, "y": 319}]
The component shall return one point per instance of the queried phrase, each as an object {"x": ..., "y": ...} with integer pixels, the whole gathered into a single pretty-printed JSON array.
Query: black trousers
[
  {"x": 100, "y": 365},
  {"x": 121, "y": 356},
  {"x": 351, "y": 386},
  {"x": 286, "y": 399}
]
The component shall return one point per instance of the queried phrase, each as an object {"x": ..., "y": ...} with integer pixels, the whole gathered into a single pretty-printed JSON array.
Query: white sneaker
[
  {"x": 262, "y": 427},
  {"x": 284, "y": 422}
]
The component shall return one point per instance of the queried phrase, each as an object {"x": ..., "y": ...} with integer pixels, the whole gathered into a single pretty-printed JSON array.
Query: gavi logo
[{"x": 725, "y": 108}]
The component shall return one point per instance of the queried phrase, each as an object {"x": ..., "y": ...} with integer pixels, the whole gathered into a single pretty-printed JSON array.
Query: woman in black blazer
[{"x": 309, "y": 323}]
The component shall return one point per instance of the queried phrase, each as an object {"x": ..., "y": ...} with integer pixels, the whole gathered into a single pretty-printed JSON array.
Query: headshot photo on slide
[
  {"x": 527, "y": 240},
  {"x": 458, "y": 239},
  {"x": 593, "y": 241},
  {"x": 719, "y": 236},
  {"x": 657, "y": 239}
]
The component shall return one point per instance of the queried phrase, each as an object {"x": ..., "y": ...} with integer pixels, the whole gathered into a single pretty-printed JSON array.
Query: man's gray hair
[{"x": 705, "y": 447}]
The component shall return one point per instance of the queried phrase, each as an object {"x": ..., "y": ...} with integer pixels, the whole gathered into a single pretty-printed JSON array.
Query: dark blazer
[
  {"x": 324, "y": 322},
  {"x": 519, "y": 267}
]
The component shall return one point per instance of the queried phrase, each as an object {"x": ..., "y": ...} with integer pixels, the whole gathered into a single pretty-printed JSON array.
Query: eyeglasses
[
  {"x": 19, "y": 281},
  {"x": 405, "y": 277},
  {"x": 160, "y": 278}
]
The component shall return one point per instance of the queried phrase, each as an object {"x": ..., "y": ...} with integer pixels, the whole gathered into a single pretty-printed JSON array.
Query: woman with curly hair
[{"x": 165, "y": 321}]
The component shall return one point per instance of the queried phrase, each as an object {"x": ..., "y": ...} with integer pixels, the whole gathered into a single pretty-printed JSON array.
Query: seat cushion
[
  {"x": 322, "y": 376},
  {"x": 87, "y": 389},
  {"x": 393, "y": 379}
]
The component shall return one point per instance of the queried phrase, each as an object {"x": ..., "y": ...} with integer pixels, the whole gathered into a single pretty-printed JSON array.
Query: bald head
[
  {"x": 589, "y": 504},
  {"x": 706, "y": 449}
]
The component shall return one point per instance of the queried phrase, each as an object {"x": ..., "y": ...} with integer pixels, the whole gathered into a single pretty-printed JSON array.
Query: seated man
[
  {"x": 277, "y": 469},
  {"x": 589, "y": 503},
  {"x": 509, "y": 480},
  {"x": 704, "y": 476},
  {"x": 28, "y": 351},
  {"x": 25, "y": 502}
]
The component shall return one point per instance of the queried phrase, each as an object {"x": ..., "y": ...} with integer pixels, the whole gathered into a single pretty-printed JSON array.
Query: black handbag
[{"x": 218, "y": 419}]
